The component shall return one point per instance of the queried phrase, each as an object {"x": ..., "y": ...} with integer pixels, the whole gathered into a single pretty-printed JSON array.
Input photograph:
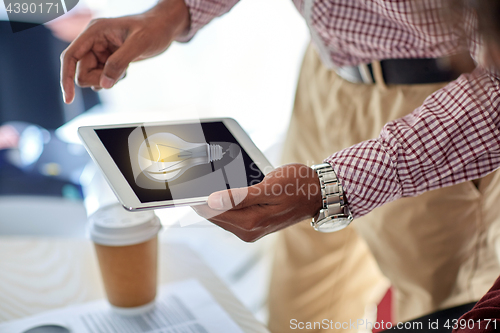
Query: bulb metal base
[{"x": 215, "y": 153}]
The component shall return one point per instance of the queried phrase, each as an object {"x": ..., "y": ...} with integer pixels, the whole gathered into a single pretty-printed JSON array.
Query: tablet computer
[{"x": 165, "y": 164}]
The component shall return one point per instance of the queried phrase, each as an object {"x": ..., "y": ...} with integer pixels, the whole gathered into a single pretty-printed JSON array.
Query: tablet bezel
[{"x": 121, "y": 187}]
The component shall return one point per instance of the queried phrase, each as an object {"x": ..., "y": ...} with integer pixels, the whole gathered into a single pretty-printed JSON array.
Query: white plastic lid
[{"x": 113, "y": 225}]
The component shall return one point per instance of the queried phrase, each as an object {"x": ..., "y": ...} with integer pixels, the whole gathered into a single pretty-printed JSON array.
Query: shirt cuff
[{"x": 368, "y": 176}]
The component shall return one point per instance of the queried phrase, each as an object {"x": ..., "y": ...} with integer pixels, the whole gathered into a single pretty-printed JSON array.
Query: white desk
[{"x": 40, "y": 274}]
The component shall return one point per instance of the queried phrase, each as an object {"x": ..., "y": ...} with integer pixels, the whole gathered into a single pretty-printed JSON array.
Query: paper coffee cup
[{"x": 127, "y": 250}]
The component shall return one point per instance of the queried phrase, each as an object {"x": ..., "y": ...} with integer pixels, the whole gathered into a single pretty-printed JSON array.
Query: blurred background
[{"x": 243, "y": 65}]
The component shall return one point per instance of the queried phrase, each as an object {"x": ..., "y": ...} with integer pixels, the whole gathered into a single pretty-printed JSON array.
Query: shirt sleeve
[
  {"x": 453, "y": 137},
  {"x": 201, "y": 12}
]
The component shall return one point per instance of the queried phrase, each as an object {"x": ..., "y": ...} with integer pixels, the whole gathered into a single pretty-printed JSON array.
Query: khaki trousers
[{"x": 437, "y": 249}]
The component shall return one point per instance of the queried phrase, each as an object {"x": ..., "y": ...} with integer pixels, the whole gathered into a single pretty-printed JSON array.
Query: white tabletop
[{"x": 39, "y": 274}]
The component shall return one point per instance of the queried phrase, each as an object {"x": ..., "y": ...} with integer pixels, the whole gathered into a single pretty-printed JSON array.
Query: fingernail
[
  {"x": 107, "y": 82},
  {"x": 67, "y": 100},
  {"x": 215, "y": 201}
]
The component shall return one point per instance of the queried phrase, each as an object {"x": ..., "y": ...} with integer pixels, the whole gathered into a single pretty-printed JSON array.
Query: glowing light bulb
[{"x": 165, "y": 156}]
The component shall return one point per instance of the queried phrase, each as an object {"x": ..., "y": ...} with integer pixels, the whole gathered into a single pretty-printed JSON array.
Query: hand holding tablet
[{"x": 287, "y": 195}]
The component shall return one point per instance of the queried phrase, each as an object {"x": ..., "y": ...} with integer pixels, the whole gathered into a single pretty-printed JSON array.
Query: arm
[{"x": 453, "y": 137}]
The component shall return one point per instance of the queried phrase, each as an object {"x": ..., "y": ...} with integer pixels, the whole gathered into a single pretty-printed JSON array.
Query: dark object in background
[
  {"x": 48, "y": 329},
  {"x": 30, "y": 93},
  {"x": 42, "y": 165},
  {"x": 29, "y": 79}
]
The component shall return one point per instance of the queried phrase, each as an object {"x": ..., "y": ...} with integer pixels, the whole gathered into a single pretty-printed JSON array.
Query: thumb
[
  {"x": 116, "y": 65},
  {"x": 235, "y": 198}
]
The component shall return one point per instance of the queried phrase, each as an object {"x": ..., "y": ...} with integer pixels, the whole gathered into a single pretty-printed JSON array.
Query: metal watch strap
[{"x": 335, "y": 214}]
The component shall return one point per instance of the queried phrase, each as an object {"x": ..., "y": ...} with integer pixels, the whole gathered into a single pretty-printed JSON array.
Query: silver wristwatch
[{"x": 335, "y": 214}]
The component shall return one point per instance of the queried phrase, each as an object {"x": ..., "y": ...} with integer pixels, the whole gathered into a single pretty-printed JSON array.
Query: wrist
[
  {"x": 334, "y": 213},
  {"x": 316, "y": 197},
  {"x": 174, "y": 14}
]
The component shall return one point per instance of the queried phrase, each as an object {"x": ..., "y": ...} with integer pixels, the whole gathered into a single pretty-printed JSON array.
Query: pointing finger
[{"x": 69, "y": 59}]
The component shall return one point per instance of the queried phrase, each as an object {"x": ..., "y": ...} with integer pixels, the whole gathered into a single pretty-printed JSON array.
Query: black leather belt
[{"x": 402, "y": 71}]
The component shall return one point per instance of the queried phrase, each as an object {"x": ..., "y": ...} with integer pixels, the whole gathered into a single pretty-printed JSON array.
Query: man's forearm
[
  {"x": 174, "y": 13},
  {"x": 453, "y": 137}
]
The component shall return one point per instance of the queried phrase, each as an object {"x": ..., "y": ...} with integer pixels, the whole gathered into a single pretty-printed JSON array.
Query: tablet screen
[{"x": 170, "y": 162}]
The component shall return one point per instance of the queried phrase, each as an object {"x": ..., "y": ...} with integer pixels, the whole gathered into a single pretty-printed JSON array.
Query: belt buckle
[
  {"x": 365, "y": 73},
  {"x": 355, "y": 74}
]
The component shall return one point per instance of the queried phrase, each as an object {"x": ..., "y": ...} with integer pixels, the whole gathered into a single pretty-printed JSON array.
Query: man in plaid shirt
[{"x": 375, "y": 90}]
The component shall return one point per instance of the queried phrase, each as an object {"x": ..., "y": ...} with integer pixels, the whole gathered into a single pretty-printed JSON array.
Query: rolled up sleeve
[{"x": 453, "y": 137}]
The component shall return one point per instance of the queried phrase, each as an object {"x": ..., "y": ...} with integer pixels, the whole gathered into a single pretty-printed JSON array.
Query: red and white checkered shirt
[{"x": 453, "y": 137}]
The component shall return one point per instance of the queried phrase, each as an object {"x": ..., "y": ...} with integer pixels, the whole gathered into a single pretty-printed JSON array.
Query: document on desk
[{"x": 181, "y": 307}]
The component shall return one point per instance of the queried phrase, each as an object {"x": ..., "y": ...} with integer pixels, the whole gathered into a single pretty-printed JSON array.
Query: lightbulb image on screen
[{"x": 165, "y": 156}]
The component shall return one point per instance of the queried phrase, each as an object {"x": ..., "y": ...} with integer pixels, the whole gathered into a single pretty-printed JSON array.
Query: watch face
[{"x": 334, "y": 225}]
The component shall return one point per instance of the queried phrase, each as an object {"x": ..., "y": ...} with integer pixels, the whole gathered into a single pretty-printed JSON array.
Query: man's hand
[
  {"x": 286, "y": 196},
  {"x": 102, "y": 52}
]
